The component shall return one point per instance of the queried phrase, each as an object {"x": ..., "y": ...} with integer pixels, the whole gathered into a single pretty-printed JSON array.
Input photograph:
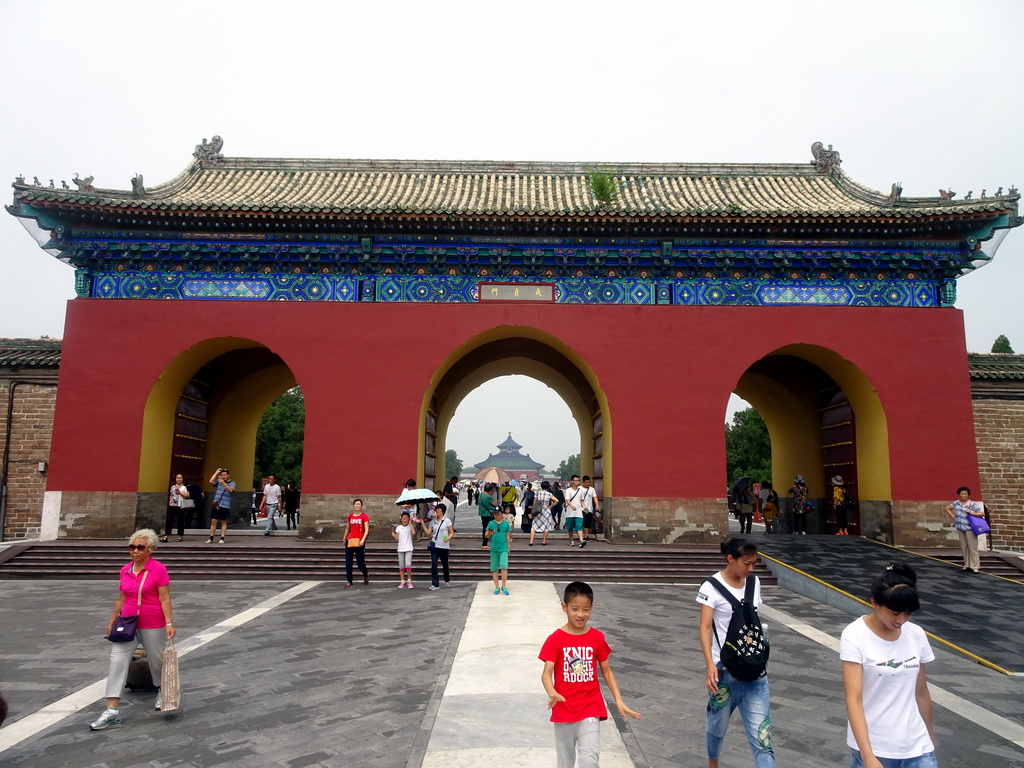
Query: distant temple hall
[{"x": 512, "y": 461}]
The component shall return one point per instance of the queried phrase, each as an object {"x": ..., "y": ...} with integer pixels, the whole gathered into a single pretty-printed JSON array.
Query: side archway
[
  {"x": 824, "y": 418},
  {"x": 203, "y": 412},
  {"x": 525, "y": 351}
]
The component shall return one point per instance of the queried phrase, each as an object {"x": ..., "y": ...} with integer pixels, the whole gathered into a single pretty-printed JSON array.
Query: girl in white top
[
  {"x": 887, "y": 700},
  {"x": 175, "y": 508},
  {"x": 403, "y": 534}
]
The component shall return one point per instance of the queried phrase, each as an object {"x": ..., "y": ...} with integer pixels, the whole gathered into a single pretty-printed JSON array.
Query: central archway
[{"x": 528, "y": 352}]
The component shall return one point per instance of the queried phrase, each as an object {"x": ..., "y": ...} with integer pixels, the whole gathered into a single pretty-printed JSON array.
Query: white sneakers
[{"x": 108, "y": 718}]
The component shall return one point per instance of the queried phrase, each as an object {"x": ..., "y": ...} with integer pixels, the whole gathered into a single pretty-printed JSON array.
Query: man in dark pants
[{"x": 196, "y": 517}]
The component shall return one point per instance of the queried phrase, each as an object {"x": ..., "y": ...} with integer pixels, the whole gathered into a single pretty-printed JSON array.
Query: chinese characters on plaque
[{"x": 517, "y": 292}]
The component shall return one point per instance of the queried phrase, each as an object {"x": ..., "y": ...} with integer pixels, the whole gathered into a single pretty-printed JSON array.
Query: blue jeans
[
  {"x": 923, "y": 761},
  {"x": 271, "y": 514},
  {"x": 752, "y": 700}
]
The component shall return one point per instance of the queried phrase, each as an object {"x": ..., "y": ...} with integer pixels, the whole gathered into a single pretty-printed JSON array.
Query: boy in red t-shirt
[{"x": 571, "y": 656}]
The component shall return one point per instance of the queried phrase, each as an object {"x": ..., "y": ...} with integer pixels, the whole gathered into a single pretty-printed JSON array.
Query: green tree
[
  {"x": 279, "y": 439},
  {"x": 568, "y": 467},
  {"x": 452, "y": 463},
  {"x": 748, "y": 451},
  {"x": 1002, "y": 344}
]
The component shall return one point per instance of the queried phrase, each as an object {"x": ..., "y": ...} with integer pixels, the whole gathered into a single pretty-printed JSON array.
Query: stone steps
[{"x": 284, "y": 558}]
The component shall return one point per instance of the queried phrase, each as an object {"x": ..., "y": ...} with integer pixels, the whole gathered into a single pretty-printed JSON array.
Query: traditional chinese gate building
[{"x": 644, "y": 294}]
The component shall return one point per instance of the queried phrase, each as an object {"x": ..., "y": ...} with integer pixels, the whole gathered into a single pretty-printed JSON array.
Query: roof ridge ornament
[
  {"x": 896, "y": 193},
  {"x": 205, "y": 153},
  {"x": 138, "y": 188},
  {"x": 84, "y": 185},
  {"x": 825, "y": 160}
]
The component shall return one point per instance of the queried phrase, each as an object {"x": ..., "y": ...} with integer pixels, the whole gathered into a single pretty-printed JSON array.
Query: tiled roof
[
  {"x": 996, "y": 366},
  {"x": 36, "y": 353},
  {"x": 217, "y": 185},
  {"x": 509, "y": 444},
  {"x": 509, "y": 461}
]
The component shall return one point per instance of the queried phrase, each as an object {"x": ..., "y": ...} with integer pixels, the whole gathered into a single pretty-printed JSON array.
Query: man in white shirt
[
  {"x": 572, "y": 514},
  {"x": 271, "y": 503}
]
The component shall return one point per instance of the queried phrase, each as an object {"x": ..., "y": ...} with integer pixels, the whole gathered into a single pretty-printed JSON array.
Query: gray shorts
[{"x": 405, "y": 561}]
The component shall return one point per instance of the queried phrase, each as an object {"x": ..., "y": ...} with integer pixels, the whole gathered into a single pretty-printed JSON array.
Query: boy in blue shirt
[{"x": 499, "y": 535}]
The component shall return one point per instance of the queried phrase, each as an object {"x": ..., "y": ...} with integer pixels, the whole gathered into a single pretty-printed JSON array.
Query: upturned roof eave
[
  {"x": 124, "y": 208},
  {"x": 200, "y": 176}
]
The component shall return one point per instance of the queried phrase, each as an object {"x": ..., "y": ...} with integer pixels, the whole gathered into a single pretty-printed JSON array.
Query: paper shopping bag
[{"x": 170, "y": 686}]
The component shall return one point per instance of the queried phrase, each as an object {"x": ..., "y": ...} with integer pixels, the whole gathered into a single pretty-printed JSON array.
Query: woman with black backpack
[{"x": 736, "y": 654}]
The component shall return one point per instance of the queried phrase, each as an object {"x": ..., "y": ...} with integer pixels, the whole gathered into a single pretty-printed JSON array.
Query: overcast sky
[{"x": 927, "y": 93}]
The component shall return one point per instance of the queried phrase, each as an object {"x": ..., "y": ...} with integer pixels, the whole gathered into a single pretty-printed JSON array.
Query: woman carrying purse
[{"x": 178, "y": 502}]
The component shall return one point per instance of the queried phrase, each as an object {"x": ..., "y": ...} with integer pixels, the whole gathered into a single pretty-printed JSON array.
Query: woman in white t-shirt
[
  {"x": 176, "y": 504},
  {"x": 887, "y": 700},
  {"x": 441, "y": 533}
]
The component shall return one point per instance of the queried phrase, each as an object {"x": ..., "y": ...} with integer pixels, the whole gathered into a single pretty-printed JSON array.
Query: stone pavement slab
[
  {"x": 332, "y": 678},
  {"x": 356, "y": 677},
  {"x": 494, "y": 707},
  {"x": 656, "y": 656},
  {"x": 957, "y": 607}
]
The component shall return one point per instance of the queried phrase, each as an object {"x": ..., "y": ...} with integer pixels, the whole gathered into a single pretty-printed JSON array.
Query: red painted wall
[{"x": 364, "y": 368}]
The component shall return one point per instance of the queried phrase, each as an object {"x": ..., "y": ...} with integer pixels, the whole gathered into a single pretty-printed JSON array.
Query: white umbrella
[{"x": 416, "y": 496}]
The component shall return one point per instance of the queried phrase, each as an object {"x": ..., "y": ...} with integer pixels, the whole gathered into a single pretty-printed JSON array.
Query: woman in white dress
[{"x": 543, "y": 522}]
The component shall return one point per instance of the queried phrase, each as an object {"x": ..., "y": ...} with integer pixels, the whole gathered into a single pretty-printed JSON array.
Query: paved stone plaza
[{"x": 313, "y": 674}]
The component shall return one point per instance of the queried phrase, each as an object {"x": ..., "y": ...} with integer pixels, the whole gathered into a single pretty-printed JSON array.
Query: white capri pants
[{"x": 154, "y": 641}]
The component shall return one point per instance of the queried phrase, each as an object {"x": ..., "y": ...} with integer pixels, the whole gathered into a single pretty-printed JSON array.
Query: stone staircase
[{"x": 283, "y": 557}]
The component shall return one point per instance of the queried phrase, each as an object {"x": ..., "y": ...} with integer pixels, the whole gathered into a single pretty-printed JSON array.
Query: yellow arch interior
[
  {"x": 236, "y": 406},
  {"x": 790, "y": 412}
]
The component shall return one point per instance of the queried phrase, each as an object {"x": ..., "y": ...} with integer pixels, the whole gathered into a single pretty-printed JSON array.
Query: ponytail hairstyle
[
  {"x": 737, "y": 548},
  {"x": 895, "y": 588}
]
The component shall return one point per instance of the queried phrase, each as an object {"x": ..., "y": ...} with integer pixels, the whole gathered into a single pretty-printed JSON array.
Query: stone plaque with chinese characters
[{"x": 517, "y": 292}]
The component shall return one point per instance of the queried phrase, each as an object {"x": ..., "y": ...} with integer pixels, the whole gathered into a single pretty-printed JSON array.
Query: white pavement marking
[
  {"x": 494, "y": 695},
  {"x": 990, "y": 721},
  {"x": 30, "y": 725}
]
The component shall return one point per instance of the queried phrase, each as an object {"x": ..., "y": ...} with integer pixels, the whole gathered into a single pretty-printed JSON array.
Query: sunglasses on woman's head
[{"x": 137, "y": 546}]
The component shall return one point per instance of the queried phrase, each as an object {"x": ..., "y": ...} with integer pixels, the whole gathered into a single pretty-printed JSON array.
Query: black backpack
[{"x": 745, "y": 650}]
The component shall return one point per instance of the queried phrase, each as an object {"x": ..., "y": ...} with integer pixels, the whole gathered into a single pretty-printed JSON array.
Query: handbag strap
[
  {"x": 138, "y": 605},
  {"x": 439, "y": 527}
]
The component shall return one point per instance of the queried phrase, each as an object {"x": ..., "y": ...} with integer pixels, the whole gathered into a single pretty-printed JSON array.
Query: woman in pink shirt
[{"x": 143, "y": 591}]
